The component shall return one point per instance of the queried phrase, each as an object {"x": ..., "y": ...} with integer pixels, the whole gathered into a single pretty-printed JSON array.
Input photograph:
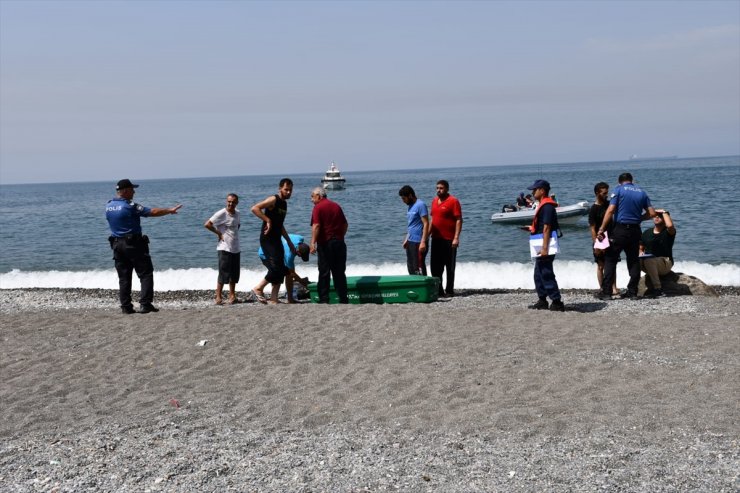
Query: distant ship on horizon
[{"x": 634, "y": 157}]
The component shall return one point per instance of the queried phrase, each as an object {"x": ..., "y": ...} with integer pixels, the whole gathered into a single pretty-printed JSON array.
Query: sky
[{"x": 100, "y": 90}]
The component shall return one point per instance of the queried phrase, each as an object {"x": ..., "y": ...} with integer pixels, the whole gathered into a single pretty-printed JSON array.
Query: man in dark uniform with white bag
[{"x": 544, "y": 224}]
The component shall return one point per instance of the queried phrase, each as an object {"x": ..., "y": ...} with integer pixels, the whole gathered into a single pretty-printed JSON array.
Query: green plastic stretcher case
[{"x": 384, "y": 289}]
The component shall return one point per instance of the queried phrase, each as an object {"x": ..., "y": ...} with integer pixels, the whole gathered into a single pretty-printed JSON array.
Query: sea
[{"x": 55, "y": 235}]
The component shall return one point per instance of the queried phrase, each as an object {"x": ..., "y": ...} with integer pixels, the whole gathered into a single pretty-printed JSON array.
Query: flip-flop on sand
[
  {"x": 259, "y": 297},
  {"x": 235, "y": 301}
]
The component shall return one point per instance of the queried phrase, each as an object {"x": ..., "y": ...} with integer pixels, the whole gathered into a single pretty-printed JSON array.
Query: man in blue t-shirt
[
  {"x": 415, "y": 242},
  {"x": 130, "y": 247},
  {"x": 291, "y": 277},
  {"x": 628, "y": 207}
]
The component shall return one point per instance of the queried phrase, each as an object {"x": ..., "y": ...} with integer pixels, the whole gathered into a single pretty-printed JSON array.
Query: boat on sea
[
  {"x": 567, "y": 214},
  {"x": 635, "y": 157},
  {"x": 333, "y": 179}
]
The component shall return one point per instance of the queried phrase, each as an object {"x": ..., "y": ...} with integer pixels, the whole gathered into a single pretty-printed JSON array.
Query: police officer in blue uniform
[
  {"x": 629, "y": 206},
  {"x": 130, "y": 247}
]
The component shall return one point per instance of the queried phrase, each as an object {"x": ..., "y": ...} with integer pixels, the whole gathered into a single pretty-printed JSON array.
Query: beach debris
[
  {"x": 202, "y": 342},
  {"x": 512, "y": 474},
  {"x": 174, "y": 403}
]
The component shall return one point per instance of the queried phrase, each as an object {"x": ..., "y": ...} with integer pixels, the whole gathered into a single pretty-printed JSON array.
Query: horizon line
[{"x": 637, "y": 160}]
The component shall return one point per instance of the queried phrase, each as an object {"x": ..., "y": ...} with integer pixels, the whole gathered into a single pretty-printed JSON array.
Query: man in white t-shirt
[{"x": 225, "y": 224}]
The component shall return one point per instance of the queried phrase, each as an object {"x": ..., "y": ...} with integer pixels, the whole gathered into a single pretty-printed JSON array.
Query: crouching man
[
  {"x": 291, "y": 277},
  {"x": 656, "y": 252}
]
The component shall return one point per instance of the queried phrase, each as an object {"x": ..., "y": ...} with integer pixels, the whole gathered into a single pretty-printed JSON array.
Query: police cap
[{"x": 125, "y": 183}]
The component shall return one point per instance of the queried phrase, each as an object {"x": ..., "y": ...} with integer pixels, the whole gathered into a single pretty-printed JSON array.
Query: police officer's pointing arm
[{"x": 156, "y": 211}]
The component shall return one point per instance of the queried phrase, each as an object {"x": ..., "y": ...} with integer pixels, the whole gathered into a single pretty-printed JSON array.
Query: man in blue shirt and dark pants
[
  {"x": 629, "y": 206},
  {"x": 415, "y": 242},
  {"x": 130, "y": 247}
]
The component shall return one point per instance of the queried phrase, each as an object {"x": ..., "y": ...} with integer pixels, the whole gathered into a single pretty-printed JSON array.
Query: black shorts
[
  {"x": 272, "y": 248},
  {"x": 228, "y": 267},
  {"x": 603, "y": 256}
]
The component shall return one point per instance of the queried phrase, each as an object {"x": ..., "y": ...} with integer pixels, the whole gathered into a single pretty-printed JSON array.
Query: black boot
[
  {"x": 557, "y": 306},
  {"x": 148, "y": 308},
  {"x": 540, "y": 305}
]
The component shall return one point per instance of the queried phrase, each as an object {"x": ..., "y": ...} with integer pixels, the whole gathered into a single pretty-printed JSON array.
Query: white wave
[
  {"x": 718, "y": 275},
  {"x": 469, "y": 275}
]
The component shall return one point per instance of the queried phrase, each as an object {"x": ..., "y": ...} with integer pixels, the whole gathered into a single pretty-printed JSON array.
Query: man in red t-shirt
[
  {"x": 445, "y": 231},
  {"x": 328, "y": 227}
]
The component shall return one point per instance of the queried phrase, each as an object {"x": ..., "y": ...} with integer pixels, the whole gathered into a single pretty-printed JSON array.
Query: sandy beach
[{"x": 472, "y": 394}]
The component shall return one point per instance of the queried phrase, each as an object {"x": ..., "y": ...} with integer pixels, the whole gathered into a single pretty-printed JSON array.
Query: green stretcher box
[{"x": 384, "y": 289}]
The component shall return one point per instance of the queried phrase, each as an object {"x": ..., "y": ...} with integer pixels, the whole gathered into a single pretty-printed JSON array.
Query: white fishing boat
[
  {"x": 635, "y": 157},
  {"x": 333, "y": 179},
  {"x": 567, "y": 214}
]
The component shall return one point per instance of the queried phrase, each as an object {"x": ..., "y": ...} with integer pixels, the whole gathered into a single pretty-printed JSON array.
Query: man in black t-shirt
[
  {"x": 656, "y": 251},
  {"x": 595, "y": 218},
  {"x": 272, "y": 211}
]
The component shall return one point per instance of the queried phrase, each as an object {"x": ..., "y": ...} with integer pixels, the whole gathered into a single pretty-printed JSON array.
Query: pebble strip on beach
[
  {"x": 187, "y": 454},
  {"x": 581, "y": 300}
]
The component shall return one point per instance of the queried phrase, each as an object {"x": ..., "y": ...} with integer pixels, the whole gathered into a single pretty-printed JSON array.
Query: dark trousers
[
  {"x": 129, "y": 256},
  {"x": 274, "y": 259},
  {"x": 544, "y": 278},
  {"x": 444, "y": 257},
  {"x": 332, "y": 264},
  {"x": 624, "y": 237},
  {"x": 228, "y": 267},
  {"x": 416, "y": 262}
]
